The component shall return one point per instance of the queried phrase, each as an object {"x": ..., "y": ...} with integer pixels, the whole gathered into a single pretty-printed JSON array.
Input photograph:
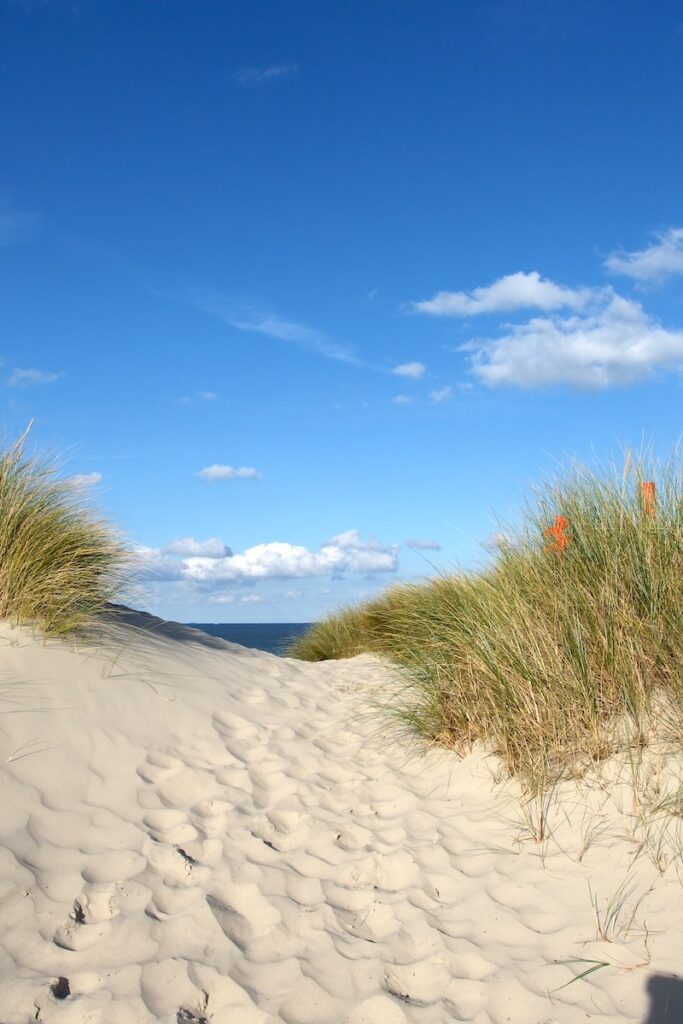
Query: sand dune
[{"x": 193, "y": 832}]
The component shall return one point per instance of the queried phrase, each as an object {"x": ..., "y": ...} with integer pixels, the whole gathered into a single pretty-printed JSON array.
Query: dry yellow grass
[
  {"x": 59, "y": 563},
  {"x": 552, "y": 659}
]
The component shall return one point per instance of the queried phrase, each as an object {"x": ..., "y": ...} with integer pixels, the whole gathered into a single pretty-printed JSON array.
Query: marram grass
[
  {"x": 555, "y": 656},
  {"x": 59, "y": 564}
]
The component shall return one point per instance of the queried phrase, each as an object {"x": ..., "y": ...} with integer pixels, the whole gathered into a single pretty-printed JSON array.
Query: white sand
[{"x": 195, "y": 832}]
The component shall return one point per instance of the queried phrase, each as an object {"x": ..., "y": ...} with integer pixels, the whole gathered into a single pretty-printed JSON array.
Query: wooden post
[{"x": 649, "y": 492}]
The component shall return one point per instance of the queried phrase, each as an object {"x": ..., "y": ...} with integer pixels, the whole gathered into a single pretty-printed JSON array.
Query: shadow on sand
[
  {"x": 149, "y": 627},
  {"x": 666, "y": 1000}
]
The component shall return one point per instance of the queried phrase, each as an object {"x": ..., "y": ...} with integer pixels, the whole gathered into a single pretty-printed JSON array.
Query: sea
[{"x": 264, "y": 636}]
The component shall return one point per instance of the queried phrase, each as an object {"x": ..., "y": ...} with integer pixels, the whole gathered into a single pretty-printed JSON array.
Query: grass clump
[
  {"x": 59, "y": 564},
  {"x": 553, "y": 656}
]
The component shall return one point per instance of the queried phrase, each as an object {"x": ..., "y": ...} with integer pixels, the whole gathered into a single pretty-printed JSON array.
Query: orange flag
[
  {"x": 649, "y": 491},
  {"x": 558, "y": 531}
]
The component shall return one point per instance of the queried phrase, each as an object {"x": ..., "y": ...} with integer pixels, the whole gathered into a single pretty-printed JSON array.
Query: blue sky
[{"x": 295, "y": 286}]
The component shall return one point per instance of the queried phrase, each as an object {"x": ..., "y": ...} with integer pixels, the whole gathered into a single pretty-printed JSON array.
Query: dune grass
[
  {"x": 551, "y": 657},
  {"x": 59, "y": 564}
]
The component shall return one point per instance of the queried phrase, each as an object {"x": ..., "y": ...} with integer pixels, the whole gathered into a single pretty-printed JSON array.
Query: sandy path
[{"x": 192, "y": 832}]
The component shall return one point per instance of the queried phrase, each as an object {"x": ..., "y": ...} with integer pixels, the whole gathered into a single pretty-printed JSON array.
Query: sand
[{"x": 194, "y": 832}]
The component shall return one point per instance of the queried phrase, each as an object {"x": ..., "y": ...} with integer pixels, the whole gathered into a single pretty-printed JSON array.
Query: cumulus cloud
[
  {"x": 423, "y": 544},
  {"x": 345, "y": 553},
  {"x": 189, "y": 547},
  {"x": 414, "y": 370},
  {"x": 218, "y": 472},
  {"x": 441, "y": 395},
  {"x": 616, "y": 343},
  {"x": 401, "y": 399},
  {"x": 260, "y": 76},
  {"x": 230, "y": 598},
  {"x": 656, "y": 263},
  {"x": 513, "y": 291},
  {"x": 26, "y": 378},
  {"x": 86, "y": 479},
  {"x": 278, "y": 560}
]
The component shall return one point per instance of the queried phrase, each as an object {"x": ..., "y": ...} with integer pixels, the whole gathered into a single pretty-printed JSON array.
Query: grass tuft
[
  {"x": 552, "y": 658},
  {"x": 59, "y": 564}
]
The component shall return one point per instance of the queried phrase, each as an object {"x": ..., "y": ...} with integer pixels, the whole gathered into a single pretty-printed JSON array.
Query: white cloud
[
  {"x": 414, "y": 370},
  {"x": 441, "y": 395},
  {"x": 229, "y": 598},
  {"x": 653, "y": 264},
  {"x": 189, "y": 547},
  {"x": 218, "y": 472},
  {"x": 401, "y": 399},
  {"x": 514, "y": 291},
  {"x": 259, "y": 76},
  {"x": 423, "y": 544},
  {"x": 86, "y": 479},
  {"x": 271, "y": 325},
  {"x": 201, "y": 396},
  {"x": 26, "y": 378},
  {"x": 618, "y": 343},
  {"x": 288, "y": 330},
  {"x": 343, "y": 554}
]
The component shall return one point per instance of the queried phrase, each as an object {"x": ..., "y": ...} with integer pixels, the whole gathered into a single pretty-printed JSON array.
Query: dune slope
[{"x": 192, "y": 832}]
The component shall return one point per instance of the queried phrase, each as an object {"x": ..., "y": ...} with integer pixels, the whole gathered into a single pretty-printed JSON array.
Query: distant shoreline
[{"x": 272, "y": 637}]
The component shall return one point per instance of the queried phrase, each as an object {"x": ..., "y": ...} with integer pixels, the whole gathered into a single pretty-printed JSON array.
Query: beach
[{"x": 197, "y": 832}]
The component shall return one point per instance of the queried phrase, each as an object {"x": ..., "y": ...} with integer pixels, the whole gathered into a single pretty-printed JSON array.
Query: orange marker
[
  {"x": 559, "y": 534},
  {"x": 649, "y": 497}
]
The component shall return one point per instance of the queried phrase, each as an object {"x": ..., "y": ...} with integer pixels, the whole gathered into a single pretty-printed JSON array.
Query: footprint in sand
[
  {"x": 242, "y": 911},
  {"x": 76, "y": 933},
  {"x": 168, "y": 825},
  {"x": 158, "y": 765}
]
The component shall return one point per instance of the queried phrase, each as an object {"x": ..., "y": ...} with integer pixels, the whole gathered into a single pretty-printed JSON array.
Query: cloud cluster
[
  {"x": 210, "y": 564},
  {"x": 514, "y": 291},
  {"x": 583, "y": 337},
  {"x": 219, "y": 472},
  {"x": 654, "y": 264},
  {"x": 616, "y": 344}
]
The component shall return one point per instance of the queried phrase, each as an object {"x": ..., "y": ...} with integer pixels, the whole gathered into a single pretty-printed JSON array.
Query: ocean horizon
[{"x": 272, "y": 637}]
